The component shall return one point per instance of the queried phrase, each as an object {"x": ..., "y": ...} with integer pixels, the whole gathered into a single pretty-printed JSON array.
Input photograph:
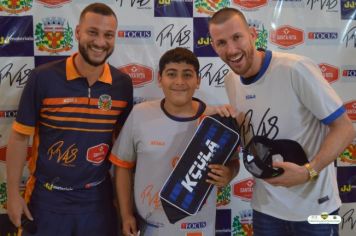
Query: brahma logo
[
  {"x": 250, "y": 4},
  {"x": 330, "y": 72},
  {"x": 287, "y": 36},
  {"x": 53, "y": 3},
  {"x": 53, "y": 35},
  {"x": 97, "y": 153},
  {"x": 15, "y": 7},
  {"x": 243, "y": 189},
  {"x": 139, "y": 74},
  {"x": 351, "y": 109}
]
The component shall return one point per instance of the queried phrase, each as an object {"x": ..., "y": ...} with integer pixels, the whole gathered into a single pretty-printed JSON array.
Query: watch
[{"x": 313, "y": 174}]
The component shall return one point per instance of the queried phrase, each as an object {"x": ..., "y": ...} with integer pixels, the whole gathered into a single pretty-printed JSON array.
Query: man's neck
[
  {"x": 91, "y": 73},
  {"x": 185, "y": 111}
]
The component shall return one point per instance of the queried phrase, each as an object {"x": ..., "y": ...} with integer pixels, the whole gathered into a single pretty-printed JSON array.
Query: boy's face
[{"x": 178, "y": 82}]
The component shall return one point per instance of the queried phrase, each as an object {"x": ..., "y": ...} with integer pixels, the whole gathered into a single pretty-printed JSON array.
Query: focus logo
[
  {"x": 139, "y": 74},
  {"x": 330, "y": 72},
  {"x": 97, "y": 153},
  {"x": 250, "y": 4},
  {"x": 134, "y": 34},
  {"x": 8, "y": 114},
  {"x": 351, "y": 109},
  {"x": 197, "y": 225},
  {"x": 287, "y": 37},
  {"x": 243, "y": 189}
]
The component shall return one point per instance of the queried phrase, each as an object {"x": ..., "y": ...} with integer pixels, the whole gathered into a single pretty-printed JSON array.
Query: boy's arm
[
  {"x": 15, "y": 160},
  {"x": 124, "y": 183},
  {"x": 221, "y": 175}
]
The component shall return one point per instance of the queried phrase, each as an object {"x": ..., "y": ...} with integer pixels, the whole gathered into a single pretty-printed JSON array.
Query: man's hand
[
  {"x": 223, "y": 110},
  {"x": 16, "y": 206},
  {"x": 293, "y": 175},
  {"x": 221, "y": 175},
  {"x": 129, "y": 227}
]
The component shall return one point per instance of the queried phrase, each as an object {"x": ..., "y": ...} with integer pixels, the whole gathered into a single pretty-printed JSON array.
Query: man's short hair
[
  {"x": 178, "y": 55},
  {"x": 225, "y": 14},
  {"x": 98, "y": 8}
]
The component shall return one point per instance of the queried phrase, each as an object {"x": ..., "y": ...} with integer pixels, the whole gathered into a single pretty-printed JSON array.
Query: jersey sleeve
[
  {"x": 315, "y": 92},
  {"x": 29, "y": 106},
  {"x": 123, "y": 153}
]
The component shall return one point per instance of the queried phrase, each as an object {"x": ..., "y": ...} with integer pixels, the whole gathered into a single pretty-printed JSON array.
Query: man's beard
[{"x": 85, "y": 55}]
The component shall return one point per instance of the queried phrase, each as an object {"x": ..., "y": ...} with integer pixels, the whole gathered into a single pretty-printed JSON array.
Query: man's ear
[
  {"x": 198, "y": 82},
  {"x": 77, "y": 29},
  {"x": 253, "y": 32},
  {"x": 159, "y": 80}
]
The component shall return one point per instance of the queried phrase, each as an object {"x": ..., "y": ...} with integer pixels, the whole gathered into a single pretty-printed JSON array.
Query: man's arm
[
  {"x": 123, "y": 181},
  {"x": 341, "y": 134},
  {"x": 15, "y": 161}
]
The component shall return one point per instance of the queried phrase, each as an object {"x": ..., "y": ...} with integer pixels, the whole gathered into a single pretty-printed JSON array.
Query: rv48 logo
[{"x": 287, "y": 36}]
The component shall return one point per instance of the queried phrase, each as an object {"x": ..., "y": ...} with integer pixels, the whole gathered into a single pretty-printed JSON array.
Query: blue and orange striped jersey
[{"x": 72, "y": 123}]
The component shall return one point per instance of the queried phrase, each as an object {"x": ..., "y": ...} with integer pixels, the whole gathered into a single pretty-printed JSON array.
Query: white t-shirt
[
  {"x": 153, "y": 140},
  {"x": 289, "y": 99}
]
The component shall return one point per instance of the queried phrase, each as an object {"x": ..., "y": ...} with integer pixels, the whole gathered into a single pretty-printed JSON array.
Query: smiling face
[
  {"x": 234, "y": 42},
  {"x": 96, "y": 37},
  {"x": 178, "y": 81}
]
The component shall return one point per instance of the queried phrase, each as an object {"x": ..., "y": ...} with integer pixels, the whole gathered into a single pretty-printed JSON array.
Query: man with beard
[
  {"x": 284, "y": 96},
  {"x": 72, "y": 108}
]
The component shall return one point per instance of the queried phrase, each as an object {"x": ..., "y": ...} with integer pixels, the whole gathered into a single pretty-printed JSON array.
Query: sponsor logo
[
  {"x": 223, "y": 196},
  {"x": 349, "y": 154},
  {"x": 15, "y": 73},
  {"x": 193, "y": 225},
  {"x": 250, "y": 4},
  {"x": 262, "y": 33},
  {"x": 134, "y": 34},
  {"x": 324, "y": 218},
  {"x": 210, "y": 7},
  {"x": 53, "y": 3},
  {"x": 8, "y": 114},
  {"x": 223, "y": 221},
  {"x": 157, "y": 143},
  {"x": 322, "y": 35},
  {"x": 242, "y": 223},
  {"x": 139, "y": 74},
  {"x": 173, "y": 36},
  {"x": 173, "y": 8},
  {"x": 351, "y": 109},
  {"x": 330, "y": 72},
  {"x": 104, "y": 102},
  {"x": 327, "y": 5},
  {"x": 97, "y": 153},
  {"x": 202, "y": 40},
  {"x": 243, "y": 189},
  {"x": 287, "y": 36},
  {"x": 15, "y": 6},
  {"x": 63, "y": 155},
  {"x": 349, "y": 73},
  {"x": 54, "y": 35},
  {"x": 214, "y": 77},
  {"x": 194, "y": 234},
  {"x": 348, "y": 9}
]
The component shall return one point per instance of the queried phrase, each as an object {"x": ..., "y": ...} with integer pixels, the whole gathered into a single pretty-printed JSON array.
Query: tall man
[
  {"x": 284, "y": 96},
  {"x": 71, "y": 108}
]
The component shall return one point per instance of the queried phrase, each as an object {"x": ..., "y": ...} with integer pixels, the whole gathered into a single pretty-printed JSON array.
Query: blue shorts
[
  {"x": 103, "y": 222},
  {"x": 265, "y": 225}
]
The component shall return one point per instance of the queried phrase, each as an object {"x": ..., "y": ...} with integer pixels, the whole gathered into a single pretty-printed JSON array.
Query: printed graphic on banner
[
  {"x": 223, "y": 222},
  {"x": 213, "y": 74},
  {"x": 348, "y": 73},
  {"x": 54, "y": 35},
  {"x": 135, "y": 34},
  {"x": 287, "y": 37},
  {"x": 243, "y": 189},
  {"x": 290, "y": 3},
  {"x": 202, "y": 40},
  {"x": 16, "y": 36},
  {"x": 349, "y": 38},
  {"x": 351, "y": 110},
  {"x": 39, "y": 60},
  {"x": 174, "y": 34},
  {"x": 223, "y": 196},
  {"x": 262, "y": 33},
  {"x": 330, "y": 72},
  {"x": 324, "y": 6},
  {"x": 324, "y": 218},
  {"x": 346, "y": 179},
  {"x": 15, "y": 7},
  {"x": 173, "y": 8},
  {"x": 138, "y": 4},
  {"x": 208, "y": 7},
  {"x": 348, "y": 156},
  {"x": 53, "y": 3},
  {"x": 322, "y": 36},
  {"x": 140, "y": 74},
  {"x": 348, "y": 9},
  {"x": 250, "y": 4},
  {"x": 242, "y": 223}
]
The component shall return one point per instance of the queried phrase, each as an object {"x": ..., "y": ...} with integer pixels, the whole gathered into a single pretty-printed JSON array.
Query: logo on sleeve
[{"x": 97, "y": 153}]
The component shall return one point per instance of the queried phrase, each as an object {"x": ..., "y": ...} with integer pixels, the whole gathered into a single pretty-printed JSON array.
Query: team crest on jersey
[
  {"x": 209, "y": 7},
  {"x": 105, "y": 102},
  {"x": 54, "y": 35},
  {"x": 15, "y": 6}
]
